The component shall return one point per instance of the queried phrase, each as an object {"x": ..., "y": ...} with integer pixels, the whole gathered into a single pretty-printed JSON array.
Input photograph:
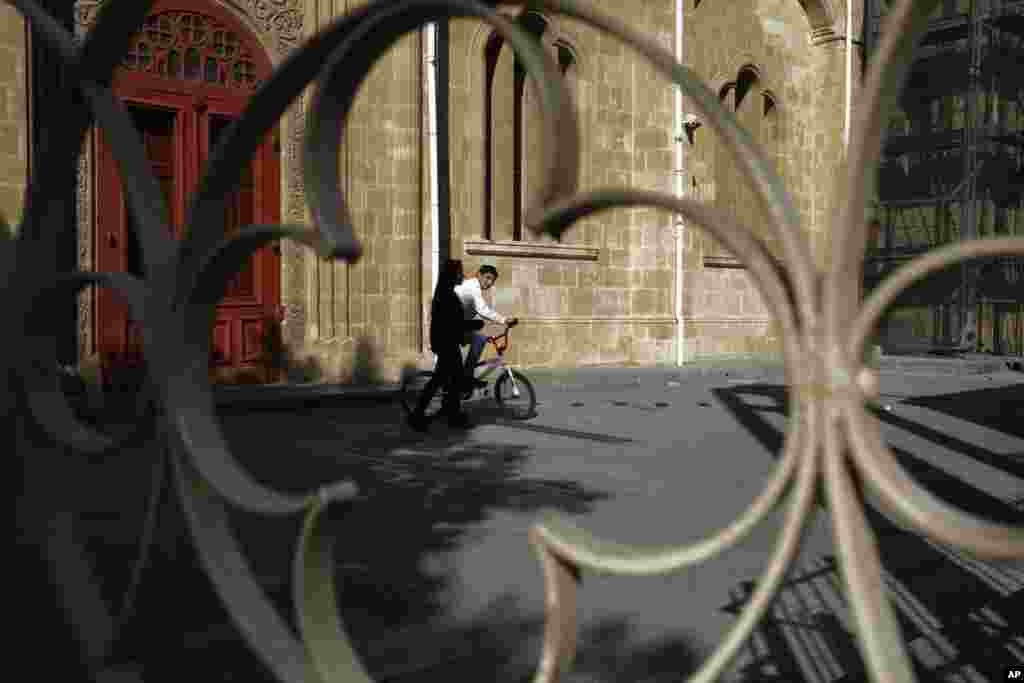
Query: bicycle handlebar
[{"x": 500, "y": 348}]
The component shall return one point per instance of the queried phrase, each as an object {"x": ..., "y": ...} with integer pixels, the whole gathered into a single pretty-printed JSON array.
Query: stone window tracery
[
  {"x": 511, "y": 122},
  {"x": 192, "y": 47},
  {"x": 730, "y": 191}
]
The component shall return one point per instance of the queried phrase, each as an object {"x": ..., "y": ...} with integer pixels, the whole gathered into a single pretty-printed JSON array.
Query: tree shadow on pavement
[
  {"x": 503, "y": 643},
  {"x": 958, "y": 607},
  {"x": 420, "y": 498}
]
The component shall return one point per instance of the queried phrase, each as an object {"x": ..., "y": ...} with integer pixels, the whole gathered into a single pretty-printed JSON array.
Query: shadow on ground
[
  {"x": 1000, "y": 408},
  {"x": 420, "y": 497},
  {"x": 750, "y": 403},
  {"x": 957, "y": 613}
]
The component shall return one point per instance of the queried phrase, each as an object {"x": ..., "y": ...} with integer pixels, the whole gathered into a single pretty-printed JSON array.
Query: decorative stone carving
[
  {"x": 295, "y": 193},
  {"x": 83, "y": 214},
  {"x": 192, "y": 47},
  {"x": 294, "y": 324},
  {"x": 287, "y": 25},
  {"x": 280, "y": 19}
]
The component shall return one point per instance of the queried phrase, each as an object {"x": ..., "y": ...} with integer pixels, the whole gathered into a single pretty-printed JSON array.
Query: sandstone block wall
[
  {"x": 615, "y": 305},
  {"x": 620, "y": 307},
  {"x": 376, "y": 299},
  {"x": 789, "y": 93},
  {"x": 606, "y": 294},
  {"x": 13, "y": 114}
]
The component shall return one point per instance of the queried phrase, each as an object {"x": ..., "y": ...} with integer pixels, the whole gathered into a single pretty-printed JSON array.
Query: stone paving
[{"x": 433, "y": 560}]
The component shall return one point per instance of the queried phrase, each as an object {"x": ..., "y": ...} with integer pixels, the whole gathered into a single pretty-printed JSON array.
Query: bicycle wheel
[
  {"x": 412, "y": 388},
  {"x": 516, "y": 398}
]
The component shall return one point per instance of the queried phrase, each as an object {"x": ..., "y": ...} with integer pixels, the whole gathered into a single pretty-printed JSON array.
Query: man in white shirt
[{"x": 470, "y": 293}]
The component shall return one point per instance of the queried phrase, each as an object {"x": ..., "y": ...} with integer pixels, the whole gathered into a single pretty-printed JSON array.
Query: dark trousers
[
  {"x": 477, "y": 342},
  {"x": 447, "y": 373}
]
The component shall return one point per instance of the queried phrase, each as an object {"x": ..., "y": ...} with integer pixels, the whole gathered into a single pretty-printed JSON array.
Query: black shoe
[
  {"x": 419, "y": 423},
  {"x": 460, "y": 421}
]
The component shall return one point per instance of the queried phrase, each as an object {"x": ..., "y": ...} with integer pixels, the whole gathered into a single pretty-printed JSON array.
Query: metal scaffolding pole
[
  {"x": 968, "y": 299},
  {"x": 960, "y": 99}
]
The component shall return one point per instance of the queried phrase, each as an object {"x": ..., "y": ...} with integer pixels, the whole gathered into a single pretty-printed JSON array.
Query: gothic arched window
[
  {"x": 511, "y": 122},
  {"x": 757, "y": 112},
  {"x": 193, "y": 47}
]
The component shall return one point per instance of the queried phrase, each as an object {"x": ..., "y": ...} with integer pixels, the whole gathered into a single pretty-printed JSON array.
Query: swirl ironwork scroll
[
  {"x": 824, "y": 325},
  {"x": 825, "y": 331},
  {"x": 174, "y": 304}
]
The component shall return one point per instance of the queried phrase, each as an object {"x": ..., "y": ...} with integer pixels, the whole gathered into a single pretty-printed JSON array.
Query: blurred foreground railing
[{"x": 832, "y": 440}]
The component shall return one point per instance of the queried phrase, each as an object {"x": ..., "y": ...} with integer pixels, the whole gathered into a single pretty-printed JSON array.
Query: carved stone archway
[{"x": 277, "y": 25}]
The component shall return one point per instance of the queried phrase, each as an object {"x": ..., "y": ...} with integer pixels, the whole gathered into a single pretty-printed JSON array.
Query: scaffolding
[{"x": 953, "y": 169}]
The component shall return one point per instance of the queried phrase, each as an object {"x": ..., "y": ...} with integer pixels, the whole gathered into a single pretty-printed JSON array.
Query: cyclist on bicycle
[
  {"x": 447, "y": 329},
  {"x": 470, "y": 293}
]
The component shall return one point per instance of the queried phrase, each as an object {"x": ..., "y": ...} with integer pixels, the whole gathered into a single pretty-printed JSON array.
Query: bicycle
[{"x": 513, "y": 392}]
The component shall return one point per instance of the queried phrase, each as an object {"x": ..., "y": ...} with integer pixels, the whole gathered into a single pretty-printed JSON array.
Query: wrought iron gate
[{"x": 832, "y": 438}]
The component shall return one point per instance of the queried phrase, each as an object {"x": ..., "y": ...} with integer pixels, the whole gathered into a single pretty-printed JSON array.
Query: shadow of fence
[
  {"x": 1000, "y": 408},
  {"x": 960, "y": 616},
  {"x": 968, "y": 632},
  {"x": 752, "y": 405}
]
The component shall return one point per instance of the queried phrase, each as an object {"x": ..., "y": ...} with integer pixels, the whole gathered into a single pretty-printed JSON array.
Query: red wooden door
[
  {"x": 164, "y": 126},
  {"x": 252, "y": 296},
  {"x": 181, "y": 100}
]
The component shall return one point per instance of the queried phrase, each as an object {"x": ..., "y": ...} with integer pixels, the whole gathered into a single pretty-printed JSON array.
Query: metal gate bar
[{"x": 833, "y": 441}]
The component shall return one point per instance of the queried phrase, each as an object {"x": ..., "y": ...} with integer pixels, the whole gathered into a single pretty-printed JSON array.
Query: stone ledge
[
  {"x": 722, "y": 262},
  {"x": 587, "y": 319},
  {"x": 550, "y": 250},
  {"x": 726, "y": 320}
]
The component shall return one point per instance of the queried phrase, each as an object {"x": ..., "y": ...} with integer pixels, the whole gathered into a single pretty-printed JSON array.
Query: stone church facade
[{"x": 625, "y": 287}]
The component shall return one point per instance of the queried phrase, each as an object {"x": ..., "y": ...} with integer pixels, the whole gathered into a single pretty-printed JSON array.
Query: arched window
[
  {"x": 757, "y": 112},
  {"x": 191, "y": 46},
  {"x": 512, "y": 121}
]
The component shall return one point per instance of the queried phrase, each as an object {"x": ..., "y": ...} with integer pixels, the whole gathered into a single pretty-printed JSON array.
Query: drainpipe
[
  {"x": 442, "y": 71},
  {"x": 430, "y": 60},
  {"x": 678, "y": 179},
  {"x": 849, "y": 75}
]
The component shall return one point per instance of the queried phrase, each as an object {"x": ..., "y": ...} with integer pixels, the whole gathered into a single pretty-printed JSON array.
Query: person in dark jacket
[{"x": 448, "y": 326}]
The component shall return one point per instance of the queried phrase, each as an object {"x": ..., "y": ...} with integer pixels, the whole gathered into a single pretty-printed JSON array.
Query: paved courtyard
[{"x": 437, "y": 580}]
